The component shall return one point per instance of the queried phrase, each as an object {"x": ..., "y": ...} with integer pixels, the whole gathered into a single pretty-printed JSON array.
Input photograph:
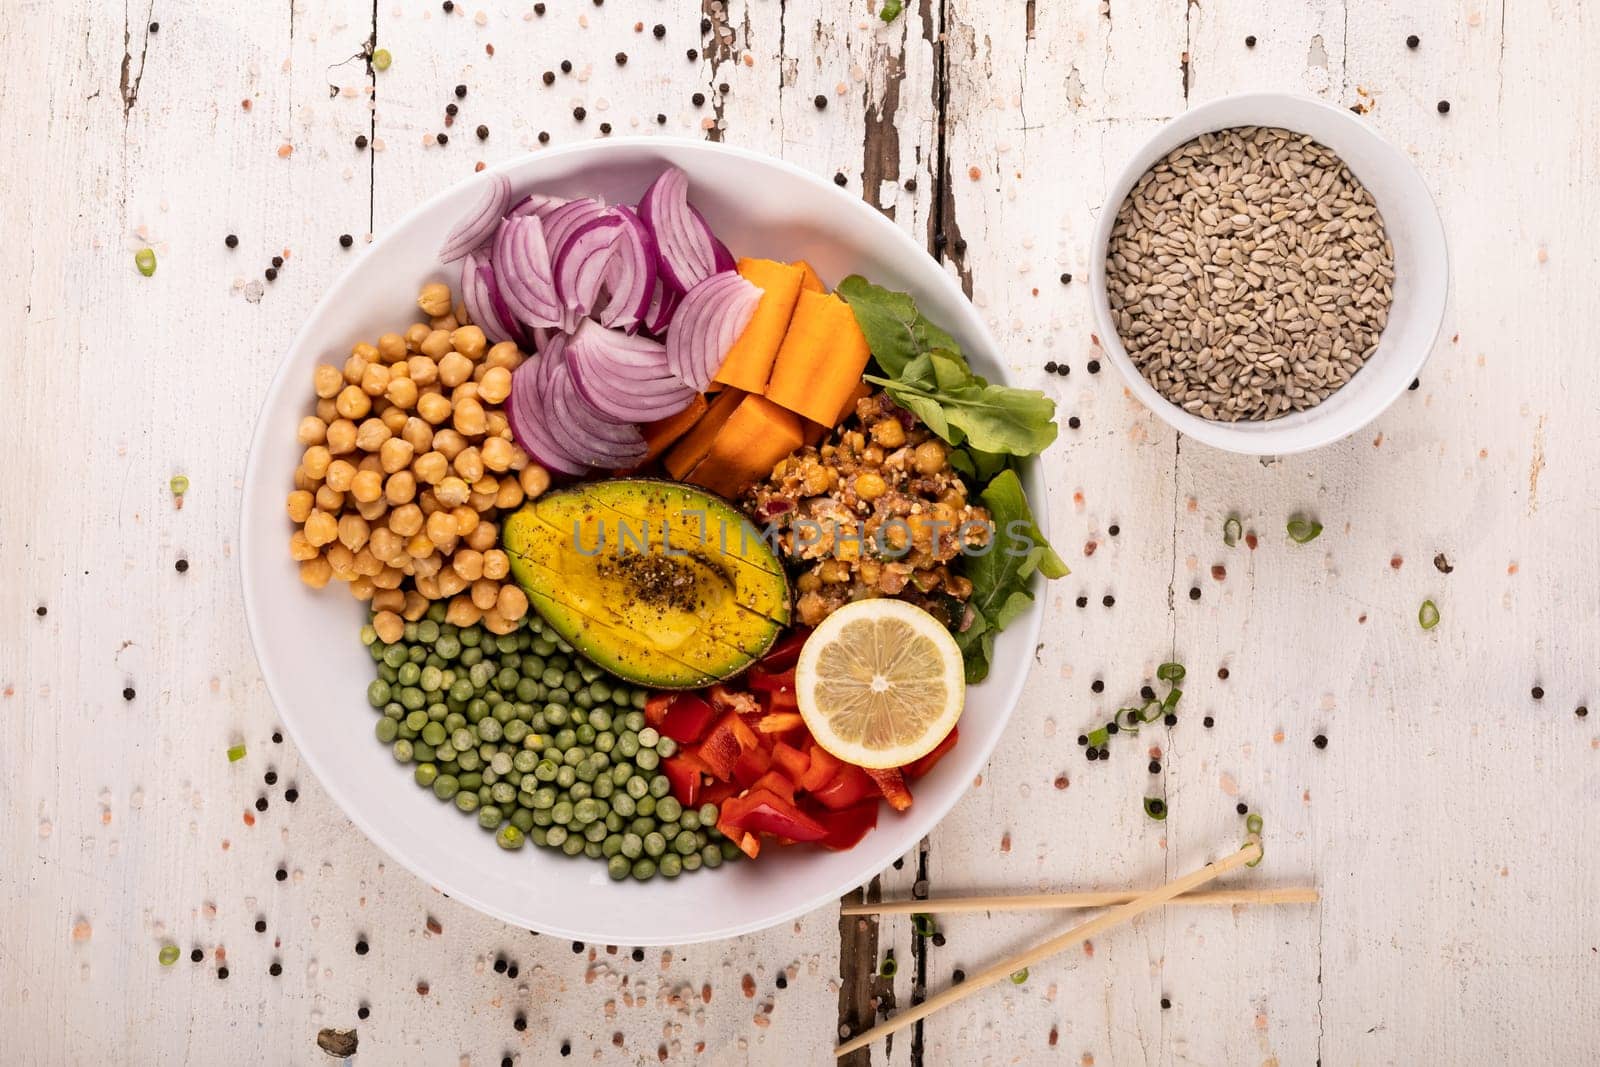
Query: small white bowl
[
  {"x": 1421, "y": 285},
  {"x": 317, "y": 671}
]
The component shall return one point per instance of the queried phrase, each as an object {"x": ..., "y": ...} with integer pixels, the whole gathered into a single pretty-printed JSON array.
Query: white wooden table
[{"x": 1450, "y": 821}]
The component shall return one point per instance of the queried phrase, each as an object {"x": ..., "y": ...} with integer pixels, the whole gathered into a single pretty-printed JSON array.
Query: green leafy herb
[
  {"x": 1018, "y": 977},
  {"x": 145, "y": 260},
  {"x": 922, "y": 925},
  {"x": 1252, "y": 823},
  {"x": 1171, "y": 672},
  {"x": 896, "y": 331},
  {"x": 1001, "y": 576},
  {"x": 890, "y": 10},
  {"x": 235, "y": 753},
  {"x": 888, "y": 967},
  {"x": 1156, "y": 808},
  {"x": 1303, "y": 530},
  {"x": 1428, "y": 615},
  {"x": 1232, "y": 531}
]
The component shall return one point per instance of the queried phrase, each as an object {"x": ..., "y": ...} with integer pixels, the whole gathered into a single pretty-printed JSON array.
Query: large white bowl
[
  {"x": 1421, "y": 267},
  {"x": 317, "y": 670}
]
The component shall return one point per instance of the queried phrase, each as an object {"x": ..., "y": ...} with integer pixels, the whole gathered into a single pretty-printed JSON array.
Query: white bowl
[
  {"x": 1422, "y": 272},
  {"x": 317, "y": 670}
]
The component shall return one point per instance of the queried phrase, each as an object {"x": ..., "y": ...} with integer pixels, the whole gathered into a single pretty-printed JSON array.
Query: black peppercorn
[
  {"x": 276, "y": 969},
  {"x": 1208, "y": 722},
  {"x": 1538, "y": 692},
  {"x": 638, "y": 955},
  {"x": 566, "y": 66},
  {"x": 1062, "y": 369},
  {"x": 277, "y": 261},
  {"x": 1155, "y": 766},
  {"x": 839, "y": 178},
  {"x": 1112, "y": 727},
  {"x": 277, "y": 738},
  {"x": 1094, "y": 366},
  {"x": 1413, "y": 41},
  {"x": 1581, "y": 711},
  {"x": 197, "y": 955},
  {"x": 361, "y": 140},
  {"x": 1222, "y": 673},
  {"x": 1083, "y": 602},
  {"x": 1083, "y": 739},
  {"x": 705, "y": 26},
  {"x": 1165, "y": 1003},
  {"x": 1050, "y": 368},
  {"x": 261, "y": 803},
  {"x": 1108, "y": 600},
  {"x": 291, "y": 794},
  {"x": 1097, "y": 686},
  {"x": 1074, "y": 422},
  {"x": 722, "y": 87},
  {"x": 698, "y": 99},
  {"x": 363, "y": 1011},
  {"x": 511, "y": 971},
  {"x": 461, "y": 91},
  {"x": 661, "y": 120},
  {"x": 577, "y": 947},
  {"x": 449, "y": 6},
  {"x": 1194, "y": 592},
  {"x": 580, "y": 113},
  {"x": 911, "y": 185},
  {"x": 281, "y": 875},
  {"x": 659, "y": 30},
  {"x": 1444, "y": 107},
  {"x": 41, "y": 611},
  {"x": 181, "y": 566},
  {"x": 483, "y": 133},
  {"x": 693, "y": 54},
  {"x": 1321, "y": 741},
  {"x": 444, "y": 138},
  {"x": 622, "y": 59},
  {"x": 782, "y": 981},
  {"x": 538, "y": 9},
  {"x": 1147, "y": 693},
  {"x": 1250, "y": 41},
  {"x": 544, "y": 136},
  {"x": 155, "y": 27},
  {"x": 1113, "y": 529},
  {"x": 958, "y": 976},
  {"x": 1157, "y": 805},
  {"x": 222, "y": 974},
  {"x": 345, "y": 240},
  {"x": 1066, "y": 279},
  {"x": 938, "y": 939},
  {"x": 566, "y": 1048},
  {"x": 821, "y": 102},
  {"x": 1415, "y": 382},
  {"x": 232, "y": 240},
  {"x": 1170, "y": 719},
  {"x": 605, "y": 127},
  {"x": 451, "y": 110},
  {"x": 1091, "y": 754},
  {"x": 520, "y": 1023},
  {"x": 500, "y": 965},
  {"x": 261, "y": 926},
  {"x": 549, "y": 77},
  {"x": 361, "y": 947},
  {"x": 127, "y": 693},
  {"x": 1242, "y": 808}
]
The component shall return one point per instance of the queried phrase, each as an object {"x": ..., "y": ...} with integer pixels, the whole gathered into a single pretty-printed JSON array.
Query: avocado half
[{"x": 662, "y": 584}]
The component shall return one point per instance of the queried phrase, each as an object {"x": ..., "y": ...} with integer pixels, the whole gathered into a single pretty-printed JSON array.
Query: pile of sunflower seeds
[{"x": 1249, "y": 274}]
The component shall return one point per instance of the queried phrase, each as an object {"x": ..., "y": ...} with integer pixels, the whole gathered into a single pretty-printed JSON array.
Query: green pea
[
  {"x": 647, "y": 759},
  {"x": 572, "y": 681},
  {"x": 649, "y": 736},
  {"x": 501, "y": 763},
  {"x": 394, "y": 711},
  {"x": 654, "y": 844},
  {"x": 595, "y": 833},
  {"x": 638, "y": 788},
  {"x": 490, "y": 817},
  {"x": 469, "y": 760},
  {"x": 566, "y": 778},
  {"x": 556, "y": 835},
  {"x": 541, "y": 817},
  {"x": 378, "y": 692},
  {"x": 416, "y": 720},
  {"x": 432, "y": 679},
  {"x": 507, "y": 679},
  {"x": 638, "y": 699},
  {"x": 644, "y": 869},
  {"x": 524, "y": 761},
  {"x": 509, "y": 838},
  {"x": 730, "y": 851},
  {"x": 691, "y": 862},
  {"x": 622, "y": 804},
  {"x": 423, "y": 751},
  {"x": 660, "y": 786},
  {"x": 454, "y": 721},
  {"x": 690, "y": 819},
  {"x": 537, "y": 836},
  {"x": 394, "y": 655},
  {"x": 628, "y": 744},
  {"x": 436, "y": 611},
  {"x": 632, "y": 846},
  {"x": 412, "y": 698},
  {"x": 600, "y": 692},
  {"x": 551, "y": 677},
  {"x": 671, "y": 865},
  {"x": 425, "y": 774},
  {"x": 708, "y": 814},
  {"x": 641, "y": 825},
  {"x": 470, "y": 657},
  {"x": 387, "y": 730},
  {"x": 574, "y": 845},
  {"x": 613, "y": 822},
  {"x": 466, "y": 801},
  {"x": 666, "y": 747},
  {"x": 522, "y": 819},
  {"x": 448, "y": 646},
  {"x": 503, "y": 793},
  {"x": 445, "y": 786},
  {"x": 559, "y": 696},
  {"x": 711, "y": 856},
  {"x": 555, "y": 715},
  {"x": 668, "y": 809},
  {"x": 562, "y": 812},
  {"x": 402, "y": 750},
  {"x": 685, "y": 843},
  {"x": 471, "y": 780},
  {"x": 617, "y": 867},
  {"x": 489, "y": 729},
  {"x": 602, "y": 787}
]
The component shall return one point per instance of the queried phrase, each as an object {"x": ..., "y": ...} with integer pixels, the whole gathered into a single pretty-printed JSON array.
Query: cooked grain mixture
[{"x": 1249, "y": 274}]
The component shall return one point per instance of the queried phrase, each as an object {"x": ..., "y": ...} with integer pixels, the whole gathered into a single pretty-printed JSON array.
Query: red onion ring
[
  {"x": 630, "y": 275},
  {"x": 586, "y": 434},
  {"x": 524, "y": 272},
  {"x": 689, "y": 251},
  {"x": 526, "y": 415},
  {"x": 707, "y": 323},
  {"x": 582, "y": 260},
  {"x": 539, "y": 205},
  {"x": 481, "y": 296},
  {"x": 477, "y": 226},
  {"x": 624, "y": 377},
  {"x": 663, "y": 302}
]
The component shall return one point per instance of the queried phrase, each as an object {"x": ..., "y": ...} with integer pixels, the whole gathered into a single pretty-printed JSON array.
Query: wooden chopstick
[
  {"x": 1137, "y": 906},
  {"x": 1089, "y": 899}
]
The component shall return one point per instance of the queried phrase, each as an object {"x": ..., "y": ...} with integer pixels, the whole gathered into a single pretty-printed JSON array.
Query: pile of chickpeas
[{"x": 408, "y": 461}]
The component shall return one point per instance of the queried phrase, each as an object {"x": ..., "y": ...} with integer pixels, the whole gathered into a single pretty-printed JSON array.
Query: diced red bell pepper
[
  {"x": 791, "y": 761},
  {"x": 717, "y": 792},
  {"x": 688, "y": 719},
  {"x": 776, "y": 783},
  {"x": 780, "y": 700},
  {"x": 751, "y": 764},
  {"x": 763, "y": 681},
  {"x": 683, "y": 771},
  {"x": 655, "y": 707},
  {"x": 849, "y": 825},
  {"x": 918, "y": 768},
  {"x": 780, "y": 722},
  {"x": 893, "y": 785},
  {"x": 760, "y": 811},
  {"x": 823, "y": 769},
  {"x": 786, "y": 653},
  {"x": 850, "y": 786},
  {"x": 727, "y": 742},
  {"x": 733, "y": 700},
  {"x": 750, "y": 845}
]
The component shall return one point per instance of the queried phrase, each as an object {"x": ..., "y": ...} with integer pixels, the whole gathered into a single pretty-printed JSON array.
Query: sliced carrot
[
  {"x": 749, "y": 361},
  {"x": 814, "y": 432},
  {"x": 661, "y": 434},
  {"x": 820, "y": 362},
  {"x": 809, "y": 279},
  {"x": 692, "y": 447},
  {"x": 755, "y": 437}
]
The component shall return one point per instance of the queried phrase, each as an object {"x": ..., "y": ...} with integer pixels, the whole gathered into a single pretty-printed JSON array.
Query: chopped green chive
[
  {"x": 1232, "y": 531},
  {"x": 888, "y": 967},
  {"x": 1018, "y": 977},
  {"x": 1150, "y": 712},
  {"x": 1156, "y": 808},
  {"x": 1428, "y": 615},
  {"x": 235, "y": 753},
  {"x": 179, "y": 484},
  {"x": 169, "y": 955},
  {"x": 1099, "y": 737},
  {"x": 381, "y": 59},
  {"x": 1171, "y": 672},
  {"x": 890, "y": 10},
  {"x": 145, "y": 260},
  {"x": 1303, "y": 530},
  {"x": 1129, "y": 719},
  {"x": 1173, "y": 696},
  {"x": 922, "y": 925},
  {"x": 1252, "y": 823},
  {"x": 1259, "y": 844}
]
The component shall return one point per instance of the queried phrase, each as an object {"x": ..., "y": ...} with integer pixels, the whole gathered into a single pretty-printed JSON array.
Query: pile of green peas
[{"x": 539, "y": 744}]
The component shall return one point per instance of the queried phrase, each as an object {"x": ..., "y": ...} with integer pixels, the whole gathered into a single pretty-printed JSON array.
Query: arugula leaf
[
  {"x": 989, "y": 418},
  {"x": 895, "y": 330},
  {"x": 1001, "y": 577}
]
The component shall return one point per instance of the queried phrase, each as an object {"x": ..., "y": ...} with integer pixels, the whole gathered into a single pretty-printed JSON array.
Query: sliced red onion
[
  {"x": 624, "y": 377},
  {"x": 563, "y": 221},
  {"x": 663, "y": 302},
  {"x": 541, "y": 337},
  {"x": 630, "y": 275},
  {"x": 582, "y": 261},
  {"x": 689, "y": 251},
  {"x": 526, "y": 414},
  {"x": 584, "y": 433},
  {"x": 482, "y": 298},
  {"x": 710, "y": 319},
  {"x": 524, "y": 272},
  {"x": 477, "y": 226},
  {"x": 537, "y": 204}
]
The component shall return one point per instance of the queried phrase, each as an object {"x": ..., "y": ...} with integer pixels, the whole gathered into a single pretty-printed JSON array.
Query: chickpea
[
  {"x": 889, "y": 433},
  {"x": 400, "y": 488},
  {"x": 468, "y": 564},
  {"x": 441, "y": 527},
  {"x": 353, "y": 403},
  {"x": 416, "y": 606},
  {"x": 353, "y": 532},
  {"x": 929, "y": 457},
  {"x": 299, "y": 548},
  {"x": 485, "y": 593},
  {"x": 405, "y": 520},
  {"x": 415, "y": 334},
  {"x": 496, "y": 385},
  {"x": 366, "y": 564},
  {"x": 341, "y": 437},
  {"x": 315, "y": 572},
  {"x": 486, "y": 486},
  {"x": 388, "y": 578},
  {"x": 809, "y": 582},
  {"x": 872, "y": 456},
  {"x": 315, "y": 462},
  {"x": 367, "y": 487},
  {"x": 361, "y": 587},
  {"x": 424, "y": 371},
  {"x": 436, "y": 345},
  {"x": 469, "y": 341},
  {"x": 512, "y": 603},
  {"x": 451, "y": 582},
  {"x": 371, "y": 435},
  {"x": 300, "y": 504},
  {"x": 402, "y": 392},
  {"x": 430, "y": 467},
  {"x": 342, "y": 560},
  {"x": 385, "y": 544},
  {"x": 302, "y": 480},
  {"x": 469, "y": 418},
  {"x": 341, "y": 472},
  {"x": 483, "y": 538},
  {"x": 496, "y": 454},
  {"x": 448, "y": 442},
  {"x": 467, "y": 520},
  {"x": 817, "y": 479},
  {"x": 834, "y": 572},
  {"x": 312, "y": 431},
  {"x": 465, "y": 391},
  {"x": 395, "y": 418},
  {"x": 419, "y": 546},
  {"x": 390, "y": 627},
  {"x": 496, "y": 564},
  {"x": 434, "y": 300},
  {"x": 870, "y": 486},
  {"x": 497, "y": 426},
  {"x": 391, "y": 348},
  {"x": 448, "y": 323},
  {"x": 375, "y": 379},
  {"x": 418, "y": 434},
  {"x": 372, "y": 510},
  {"x": 505, "y": 354},
  {"x": 481, "y": 501},
  {"x": 321, "y": 528},
  {"x": 454, "y": 369},
  {"x": 428, "y": 566},
  {"x": 509, "y": 494},
  {"x": 330, "y": 500},
  {"x": 394, "y": 455},
  {"x": 428, "y": 587},
  {"x": 327, "y": 409},
  {"x": 468, "y": 464},
  {"x": 356, "y": 365},
  {"x": 496, "y": 623},
  {"x": 534, "y": 480},
  {"x": 428, "y": 502},
  {"x": 451, "y": 492},
  {"x": 433, "y": 407},
  {"x": 326, "y": 380},
  {"x": 869, "y": 572},
  {"x": 463, "y": 612}
]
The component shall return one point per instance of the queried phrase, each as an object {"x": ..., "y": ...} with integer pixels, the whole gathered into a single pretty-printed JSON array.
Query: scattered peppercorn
[
  {"x": 661, "y": 120},
  {"x": 1194, "y": 592},
  {"x": 659, "y": 30},
  {"x": 511, "y": 971},
  {"x": 1147, "y": 693},
  {"x": 1097, "y": 686},
  {"x": 566, "y": 66},
  {"x": 1208, "y": 722},
  {"x": 361, "y": 947},
  {"x": 705, "y": 26},
  {"x": 1112, "y": 727},
  {"x": 1170, "y": 719},
  {"x": 566, "y": 1048},
  {"x": 361, "y": 140},
  {"x": 549, "y": 77},
  {"x": 1538, "y": 692},
  {"x": 1156, "y": 806},
  {"x": 451, "y": 110},
  {"x": 693, "y": 54},
  {"x": 222, "y": 974},
  {"x": 1415, "y": 382},
  {"x": 1050, "y": 368},
  {"x": 232, "y": 240},
  {"x": 1413, "y": 41},
  {"x": 128, "y": 693},
  {"x": 520, "y": 1023},
  {"x": 181, "y": 566},
  {"x": 449, "y": 6},
  {"x": 1108, "y": 600},
  {"x": 538, "y": 9},
  {"x": 698, "y": 99},
  {"x": 1061, "y": 368},
  {"x": 1066, "y": 279},
  {"x": 1094, "y": 366},
  {"x": 938, "y": 938},
  {"x": 500, "y": 965},
  {"x": 1165, "y": 1003},
  {"x": 277, "y": 738},
  {"x": 1444, "y": 107},
  {"x": 1581, "y": 711},
  {"x": 461, "y": 91},
  {"x": 821, "y": 102},
  {"x": 1250, "y": 41},
  {"x": 722, "y": 87},
  {"x": 41, "y": 611},
  {"x": 272, "y": 274},
  {"x": 155, "y": 27},
  {"x": 1222, "y": 673},
  {"x": 261, "y": 803},
  {"x": 276, "y": 969},
  {"x": 443, "y": 138},
  {"x": 197, "y": 955},
  {"x": 483, "y": 133},
  {"x": 839, "y": 178},
  {"x": 1242, "y": 808},
  {"x": 1083, "y": 602},
  {"x": 958, "y": 976},
  {"x": 261, "y": 926},
  {"x": 911, "y": 185},
  {"x": 277, "y": 261},
  {"x": 605, "y": 128},
  {"x": 505, "y": 1061},
  {"x": 345, "y": 240},
  {"x": 782, "y": 981},
  {"x": 1074, "y": 422},
  {"x": 638, "y": 955},
  {"x": 1091, "y": 754},
  {"x": 577, "y": 947},
  {"x": 580, "y": 113},
  {"x": 544, "y": 136},
  {"x": 281, "y": 875},
  {"x": 1155, "y": 766},
  {"x": 1321, "y": 740},
  {"x": 363, "y": 1011},
  {"x": 291, "y": 794}
]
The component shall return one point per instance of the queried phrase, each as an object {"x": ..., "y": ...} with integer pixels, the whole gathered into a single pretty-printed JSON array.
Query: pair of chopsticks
[{"x": 1124, "y": 905}]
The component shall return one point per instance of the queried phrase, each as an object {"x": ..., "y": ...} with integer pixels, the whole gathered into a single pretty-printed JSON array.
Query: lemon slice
[{"x": 880, "y": 683}]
